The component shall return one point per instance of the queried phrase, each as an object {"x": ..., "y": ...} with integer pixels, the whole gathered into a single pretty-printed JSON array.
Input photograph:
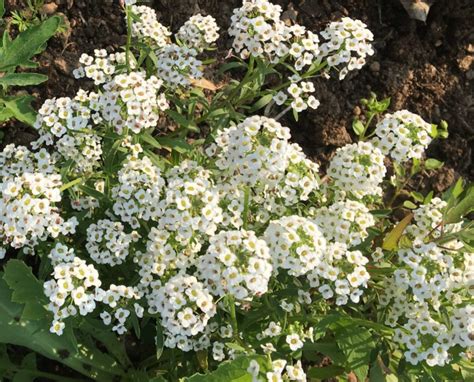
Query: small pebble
[{"x": 375, "y": 67}]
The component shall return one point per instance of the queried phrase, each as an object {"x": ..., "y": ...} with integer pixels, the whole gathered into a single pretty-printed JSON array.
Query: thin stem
[
  {"x": 286, "y": 110},
  {"x": 246, "y": 206},
  {"x": 371, "y": 117},
  {"x": 129, "y": 36}
]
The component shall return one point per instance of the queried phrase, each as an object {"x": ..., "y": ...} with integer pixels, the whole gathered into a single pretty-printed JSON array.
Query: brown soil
[{"x": 426, "y": 68}]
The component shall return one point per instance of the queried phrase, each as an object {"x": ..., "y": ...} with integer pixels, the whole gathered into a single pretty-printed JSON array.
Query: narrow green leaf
[
  {"x": 182, "y": 121},
  {"x": 22, "y": 79},
  {"x": 176, "y": 144},
  {"x": 358, "y": 127},
  {"x": 2, "y": 8},
  {"x": 159, "y": 340},
  {"x": 262, "y": 102}
]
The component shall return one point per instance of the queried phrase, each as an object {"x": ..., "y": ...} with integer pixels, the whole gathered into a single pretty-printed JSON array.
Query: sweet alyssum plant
[{"x": 168, "y": 213}]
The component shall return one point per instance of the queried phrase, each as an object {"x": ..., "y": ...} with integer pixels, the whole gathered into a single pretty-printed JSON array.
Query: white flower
[{"x": 294, "y": 341}]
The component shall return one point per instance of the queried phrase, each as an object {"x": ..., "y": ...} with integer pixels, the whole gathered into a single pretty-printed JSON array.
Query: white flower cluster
[
  {"x": 119, "y": 298},
  {"x": 66, "y": 123},
  {"x": 428, "y": 282},
  {"x": 341, "y": 274},
  {"x": 199, "y": 32},
  {"x": 185, "y": 306},
  {"x": 75, "y": 286},
  {"x": 16, "y": 160},
  {"x": 346, "y": 45},
  {"x": 296, "y": 244},
  {"x": 258, "y": 30},
  {"x": 358, "y": 169},
  {"x": 107, "y": 242},
  {"x": 257, "y": 153},
  {"x": 136, "y": 97},
  {"x": 138, "y": 194},
  {"x": 402, "y": 135},
  {"x": 345, "y": 222},
  {"x": 61, "y": 253},
  {"x": 428, "y": 221},
  {"x": 101, "y": 67},
  {"x": 236, "y": 263},
  {"x": 148, "y": 28},
  {"x": 29, "y": 210},
  {"x": 178, "y": 65},
  {"x": 300, "y": 96},
  {"x": 280, "y": 371}
]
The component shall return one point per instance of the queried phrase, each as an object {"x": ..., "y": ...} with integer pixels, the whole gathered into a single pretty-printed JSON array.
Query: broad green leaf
[
  {"x": 433, "y": 164},
  {"x": 329, "y": 349},
  {"x": 2, "y": 8},
  {"x": 231, "y": 371},
  {"x": 25, "y": 286},
  {"x": 5, "y": 114},
  {"x": 325, "y": 372},
  {"x": 22, "y": 79},
  {"x": 391, "y": 240},
  {"x": 20, "y": 108},
  {"x": 35, "y": 336},
  {"x": 27, "y": 44},
  {"x": 357, "y": 344},
  {"x": 409, "y": 204}
]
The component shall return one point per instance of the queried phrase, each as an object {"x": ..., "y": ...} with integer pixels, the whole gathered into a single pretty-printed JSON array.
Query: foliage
[
  {"x": 16, "y": 54},
  {"x": 164, "y": 226}
]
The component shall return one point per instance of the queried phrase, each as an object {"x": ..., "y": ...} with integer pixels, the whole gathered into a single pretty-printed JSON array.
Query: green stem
[
  {"x": 129, "y": 37},
  {"x": 369, "y": 121},
  {"x": 245, "y": 214},
  {"x": 233, "y": 318}
]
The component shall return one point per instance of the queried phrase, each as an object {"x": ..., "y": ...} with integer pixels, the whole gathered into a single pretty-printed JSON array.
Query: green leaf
[
  {"x": 5, "y": 114},
  {"x": 182, "y": 121},
  {"x": 2, "y": 8},
  {"x": 20, "y": 108},
  {"x": 433, "y": 164},
  {"x": 325, "y": 372},
  {"x": 232, "y": 371},
  {"x": 176, "y": 144},
  {"x": 357, "y": 344},
  {"x": 358, "y": 127},
  {"x": 262, "y": 102},
  {"x": 461, "y": 208},
  {"x": 417, "y": 196},
  {"x": 410, "y": 205},
  {"x": 159, "y": 340},
  {"x": 26, "y": 287},
  {"x": 391, "y": 240},
  {"x": 22, "y": 79},
  {"x": 35, "y": 335},
  {"x": 329, "y": 349},
  {"x": 148, "y": 138},
  {"x": 27, "y": 44}
]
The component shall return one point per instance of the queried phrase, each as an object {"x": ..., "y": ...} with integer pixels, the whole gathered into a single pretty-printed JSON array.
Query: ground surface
[{"x": 426, "y": 68}]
